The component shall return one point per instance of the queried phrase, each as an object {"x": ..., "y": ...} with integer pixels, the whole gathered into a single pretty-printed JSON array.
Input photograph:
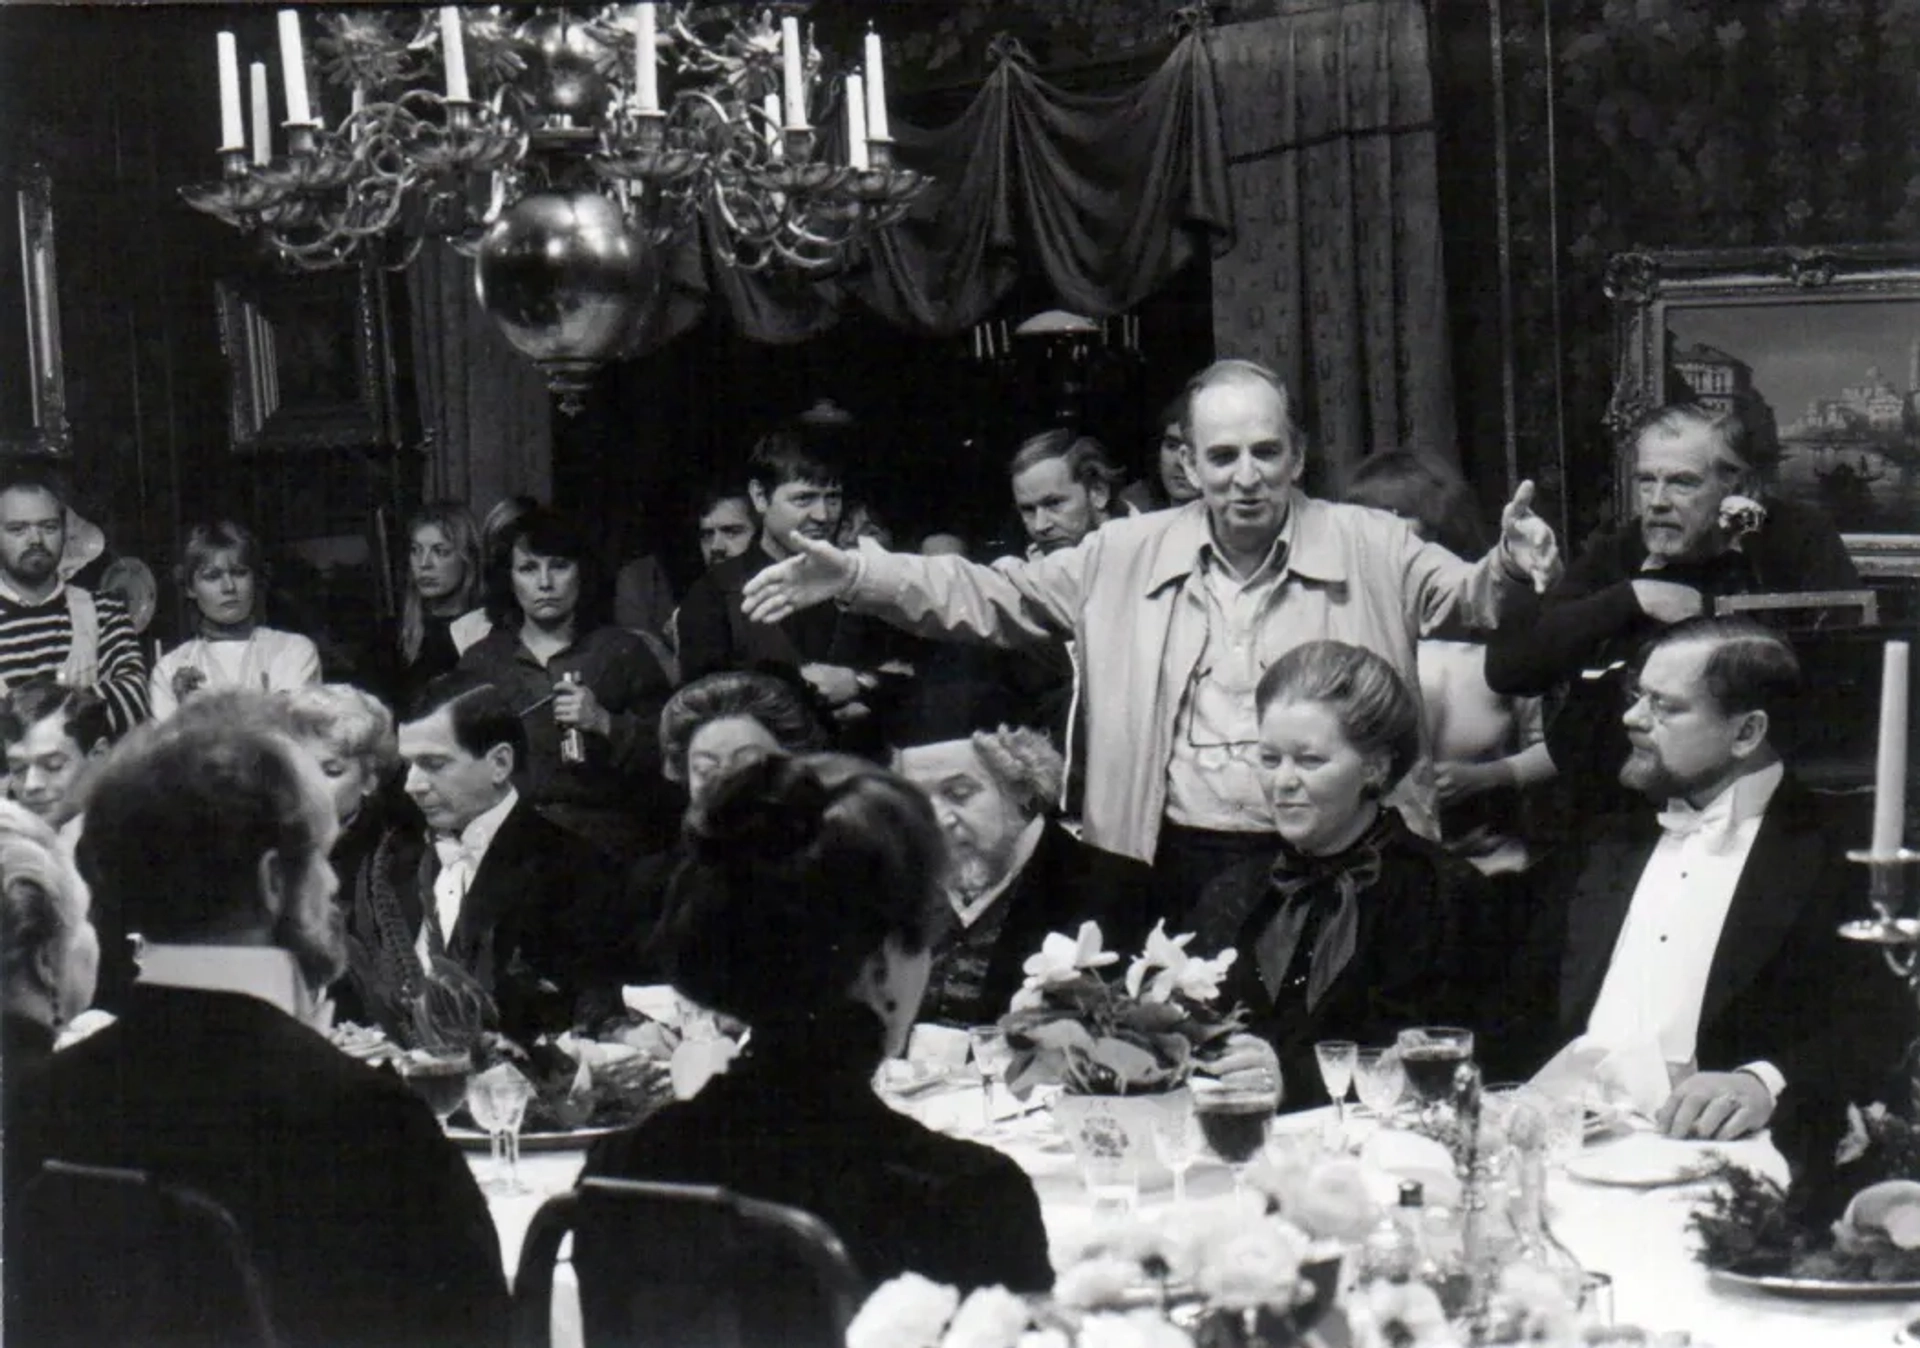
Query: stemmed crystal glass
[
  {"x": 1335, "y": 1057},
  {"x": 1431, "y": 1055},
  {"x": 1379, "y": 1080},
  {"x": 498, "y": 1102},
  {"x": 992, "y": 1055},
  {"x": 1177, "y": 1142},
  {"x": 439, "y": 1078},
  {"x": 1236, "y": 1122}
]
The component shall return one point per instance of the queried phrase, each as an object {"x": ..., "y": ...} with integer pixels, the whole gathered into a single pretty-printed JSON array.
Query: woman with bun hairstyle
[{"x": 806, "y": 910}]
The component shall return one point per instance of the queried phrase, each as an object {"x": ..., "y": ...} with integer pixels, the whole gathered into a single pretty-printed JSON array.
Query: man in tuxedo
[
  {"x": 361, "y": 1217},
  {"x": 1703, "y": 938},
  {"x": 1016, "y": 873},
  {"x": 493, "y": 885}
]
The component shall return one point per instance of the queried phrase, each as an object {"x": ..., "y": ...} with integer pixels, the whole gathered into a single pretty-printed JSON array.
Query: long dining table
[{"x": 1636, "y": 1235}]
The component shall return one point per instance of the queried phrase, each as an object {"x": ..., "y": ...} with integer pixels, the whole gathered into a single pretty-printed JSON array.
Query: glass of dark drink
[
  {"x": 438, "y": 1078},
  {"x": 1430, "y": 1055},
  {"x": 1236, "y": 1121}
]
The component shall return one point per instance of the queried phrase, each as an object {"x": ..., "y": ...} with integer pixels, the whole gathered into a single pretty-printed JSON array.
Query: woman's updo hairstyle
[
  {"x": 1365, "y": 694},
  {"x": 799, "y": 870},
  {"x": 42, "y": 898}
]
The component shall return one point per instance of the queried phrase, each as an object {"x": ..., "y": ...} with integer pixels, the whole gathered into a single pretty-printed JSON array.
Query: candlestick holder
[{"x": 1891, "y": 878}]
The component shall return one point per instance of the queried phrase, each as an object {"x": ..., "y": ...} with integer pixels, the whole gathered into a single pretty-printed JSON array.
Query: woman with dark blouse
[
  {"x": 444, "y": 577},
  {"x": 48, "y": 947},
  {"x": 574, "y": 676},
  {"x": 1355, "y": 927},
  {"x": 805, "y": 910}
]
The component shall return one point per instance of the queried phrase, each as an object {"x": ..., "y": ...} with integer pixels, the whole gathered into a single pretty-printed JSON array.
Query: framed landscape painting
[{"x": 1818, "y": 350}]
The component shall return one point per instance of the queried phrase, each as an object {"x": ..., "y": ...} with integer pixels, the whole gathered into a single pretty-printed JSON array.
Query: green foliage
[
  {"x": 452, "y": 1011},
  {"x": 1094, "y": 1038}
]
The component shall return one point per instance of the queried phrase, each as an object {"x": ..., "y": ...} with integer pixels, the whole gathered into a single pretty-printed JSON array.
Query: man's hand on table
[{"x": 1720, "y": 1105}]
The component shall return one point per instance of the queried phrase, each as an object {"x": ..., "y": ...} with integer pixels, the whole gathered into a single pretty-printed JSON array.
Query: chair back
[
  {"x": 687, "y": 1266},
  {"x": 108, "y": 1258}
]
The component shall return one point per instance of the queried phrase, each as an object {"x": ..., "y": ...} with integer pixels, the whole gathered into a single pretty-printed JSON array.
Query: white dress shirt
[
  {"x": 460, "y": 860},
  {"x": 1657, "y": 977}
]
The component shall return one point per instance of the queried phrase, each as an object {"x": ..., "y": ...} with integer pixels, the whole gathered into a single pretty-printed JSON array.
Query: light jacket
[{"x": 1351, "y": 574}]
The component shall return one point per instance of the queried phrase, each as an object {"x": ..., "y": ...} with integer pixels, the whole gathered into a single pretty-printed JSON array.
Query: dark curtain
[
  {"x": 1336, "y": 281},
  {"x": 1105, "y": 196},
  {"x": 483, "y": 404}
]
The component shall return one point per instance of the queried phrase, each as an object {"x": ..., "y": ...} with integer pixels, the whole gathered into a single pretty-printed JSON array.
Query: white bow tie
[
  {"x": 451, "y": 851},
  {"x": 1716, "y": 824}
]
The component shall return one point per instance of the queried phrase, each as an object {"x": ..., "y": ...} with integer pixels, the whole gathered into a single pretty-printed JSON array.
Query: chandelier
[{"x": 564, "y": 149}]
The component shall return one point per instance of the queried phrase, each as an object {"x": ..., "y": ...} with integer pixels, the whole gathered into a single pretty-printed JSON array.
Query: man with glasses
[
  {"x": 1176, "y": 613},
  {"x": 1634, "y": 579},
  {"x": 1693, "y": 951}
]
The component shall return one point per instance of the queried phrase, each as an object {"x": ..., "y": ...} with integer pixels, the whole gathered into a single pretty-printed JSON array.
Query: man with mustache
[
  {"x": 1634, "y": 579},
  {"x": 51, "y": 627},
  {"x": 1694, "y": 952},
  {"x": 1177, "y": 613},
  {"x": 795, "y": 486}
]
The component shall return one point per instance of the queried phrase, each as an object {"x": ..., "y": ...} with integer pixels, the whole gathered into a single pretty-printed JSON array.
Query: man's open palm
[{"x": 813, "y": 575}]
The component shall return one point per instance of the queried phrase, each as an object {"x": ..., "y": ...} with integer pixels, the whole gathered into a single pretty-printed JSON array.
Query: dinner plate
[
  {"x": 1818, "y": 1289},
  {"x": 577, "y": 1139},
  {"x": 1645, "y": 1161}
]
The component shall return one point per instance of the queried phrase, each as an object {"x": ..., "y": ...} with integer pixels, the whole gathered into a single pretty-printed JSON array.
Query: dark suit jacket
[
  {"x": 530, "y": 925},
  {"x": 1064, "y": 883},
  {"x": 1783, "y": 988},
  {"x": 715, "y": 633},
  {"x": 901, "y": 1196},
  {"x": 364, "y": 1221}
]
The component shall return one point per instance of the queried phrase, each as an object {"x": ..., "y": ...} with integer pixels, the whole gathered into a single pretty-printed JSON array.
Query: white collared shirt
[
  {"x": 460, "y": 862},
  {"x": 265, "y": 973},
  {"x": 969, "y": 910},
  {"x": 1656, "y": 980}
]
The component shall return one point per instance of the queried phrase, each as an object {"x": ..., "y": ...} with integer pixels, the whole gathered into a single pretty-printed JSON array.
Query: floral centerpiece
[
  {"x": 1071, "y": 1025},
  {"x": 1741, "y": 516}
]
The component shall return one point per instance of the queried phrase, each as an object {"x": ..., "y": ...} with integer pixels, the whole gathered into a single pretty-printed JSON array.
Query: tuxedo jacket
[
  {"x": 363, "y": 1219},
  {"x": 529, "y": 925},
  {"x": 1783, "y": 986},
  {"x": 1064, "y": 883}
]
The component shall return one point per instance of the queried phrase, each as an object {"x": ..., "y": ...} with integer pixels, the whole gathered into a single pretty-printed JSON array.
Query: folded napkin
[
  {"x": 1633, "y": 1074},
  {"x": 695, "y": 1062}
]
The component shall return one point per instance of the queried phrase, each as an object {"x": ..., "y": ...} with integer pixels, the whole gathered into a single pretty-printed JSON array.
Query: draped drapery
[
  {"x": 1106, "y": 196},
  {"x": 1336, "y": 280},
  {"x": 483, "y": 405}
]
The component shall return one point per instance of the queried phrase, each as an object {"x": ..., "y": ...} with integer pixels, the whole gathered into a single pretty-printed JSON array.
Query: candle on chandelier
[
  {"x": 770, "y": 109},
  {"x": 233, "y": 131},
  {"x": 877, "y": 125},
  {"x": 262, "y": 125},
  {"x": 293, "y": 67},
  {"x": 646, "y": 66},
  {"x": 793, "y": 68},
  {"x": 453, "y": 50},
  {"x": 1890, "y": 763},
  {"x": 857, "y": 123}
]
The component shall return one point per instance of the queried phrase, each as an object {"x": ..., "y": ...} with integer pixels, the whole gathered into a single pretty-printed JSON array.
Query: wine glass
[
  {"x": 1177, "y": 1142},
  {"x": 1236, "y": 1122},
  {"x": 1379, "y": 1080},
  {"x": 993, "y": 1055},
  {"x": 498, "y": 1101},
  {"x": 1335, "y": 1057},
  {"x": 438, "y": 1076},
  {"x": 1431, "y": 1055}
]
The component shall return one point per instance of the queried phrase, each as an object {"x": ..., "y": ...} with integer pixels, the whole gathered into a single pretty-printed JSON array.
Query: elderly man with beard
[
  {"x": 211, "y": 836},
  {"x": 1016, "y": 874},
  {"x": 1692, "y": 951}
]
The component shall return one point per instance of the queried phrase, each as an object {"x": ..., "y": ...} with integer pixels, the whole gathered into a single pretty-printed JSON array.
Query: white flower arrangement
[{"x": 1741, "y": 516}]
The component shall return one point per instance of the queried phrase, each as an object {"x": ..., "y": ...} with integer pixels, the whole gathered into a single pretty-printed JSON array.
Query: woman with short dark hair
[
  {"x": 222, "y": 575},
  {"x": 588, "y": 692},
  {"x": 806, "y": 910},
  {"x": 49, "y": 950},
  {"x": 1353, "y": 927}
]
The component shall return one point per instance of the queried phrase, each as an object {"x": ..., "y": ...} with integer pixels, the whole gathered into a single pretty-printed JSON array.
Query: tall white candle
[
  {"x": 878, "y": 128},
  {"x": 646, "y": 62},
  {"x": 262, "y": 123},
  {"x": 1890, "y": 765},
  {"x": 770, "y": 109},
  {"x": 293, "y": 67},
  {"x": 793, "y": 68},
  {"x": 857, "y": 123},
  {"x": 453, "y": 50},
  {"x": 233, "y": 131}
]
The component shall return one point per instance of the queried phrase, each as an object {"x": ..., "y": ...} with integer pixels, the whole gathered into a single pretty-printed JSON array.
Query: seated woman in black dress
[
  {"x": 48, "y": 947},
  {"x": 1355, "y": 928},
  {"x": 805, "y": 910}
]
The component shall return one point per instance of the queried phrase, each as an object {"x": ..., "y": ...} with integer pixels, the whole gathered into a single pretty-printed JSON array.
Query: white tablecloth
[{"x": 1637, "y": 1237}]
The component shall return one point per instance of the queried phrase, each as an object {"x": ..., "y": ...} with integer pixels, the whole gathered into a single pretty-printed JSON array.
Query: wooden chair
[
  {"x": 98, "y": 1257},
  {"x": 686, "y": 1266}
]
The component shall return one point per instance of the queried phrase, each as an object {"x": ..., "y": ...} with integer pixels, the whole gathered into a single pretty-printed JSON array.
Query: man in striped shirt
[{"x": 49, "y": 627}]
